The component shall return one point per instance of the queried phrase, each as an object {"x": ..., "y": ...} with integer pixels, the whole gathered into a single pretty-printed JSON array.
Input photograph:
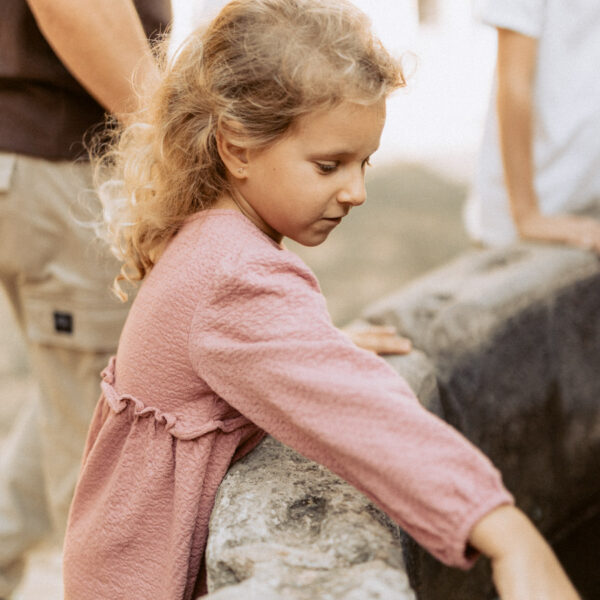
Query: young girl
[{"x": 262, "y": 129}]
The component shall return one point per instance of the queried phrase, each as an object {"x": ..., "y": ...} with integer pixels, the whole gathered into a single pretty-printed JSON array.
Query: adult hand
[
  {"x": 379, "y": 339},
  {"x": 578, "y": 231},
  {"x": 523, "y": 564}
]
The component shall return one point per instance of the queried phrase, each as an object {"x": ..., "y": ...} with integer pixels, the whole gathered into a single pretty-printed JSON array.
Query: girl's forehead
[
  {"x": 347, "y": 126},
  {"x": 346, "y": 112}
]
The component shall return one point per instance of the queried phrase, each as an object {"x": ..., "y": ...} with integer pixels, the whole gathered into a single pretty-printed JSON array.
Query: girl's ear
[{"x": 233, "y": 155}]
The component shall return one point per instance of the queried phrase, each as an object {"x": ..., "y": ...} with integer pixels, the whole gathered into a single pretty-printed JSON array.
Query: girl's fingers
[{"x": 381, "y": 340}]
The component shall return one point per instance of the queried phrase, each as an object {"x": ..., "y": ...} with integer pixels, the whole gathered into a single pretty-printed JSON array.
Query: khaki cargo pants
[{"x": 57, "y": 276}]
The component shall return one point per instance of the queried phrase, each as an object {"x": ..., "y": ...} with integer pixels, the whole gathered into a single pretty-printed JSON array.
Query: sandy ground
[{"x": 410, "y": 223}]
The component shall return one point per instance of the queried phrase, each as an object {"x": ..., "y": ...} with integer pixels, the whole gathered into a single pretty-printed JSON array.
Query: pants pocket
[{"x": 74, "y": 325}]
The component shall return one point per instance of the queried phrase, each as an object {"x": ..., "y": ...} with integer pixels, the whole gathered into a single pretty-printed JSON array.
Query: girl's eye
[
  {"x": 366, "y": 162},
  {"x": 327, "y": 168}
]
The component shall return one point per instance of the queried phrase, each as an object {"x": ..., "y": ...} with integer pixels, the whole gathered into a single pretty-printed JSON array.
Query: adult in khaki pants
[{"x": 63, "y": 63}]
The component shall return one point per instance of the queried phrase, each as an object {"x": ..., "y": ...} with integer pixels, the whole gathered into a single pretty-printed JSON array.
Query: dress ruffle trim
[{"x": 119, "y": 402}]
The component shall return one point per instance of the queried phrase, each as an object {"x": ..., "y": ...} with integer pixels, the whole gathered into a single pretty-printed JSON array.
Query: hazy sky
[{"x": 394, "y": 20}]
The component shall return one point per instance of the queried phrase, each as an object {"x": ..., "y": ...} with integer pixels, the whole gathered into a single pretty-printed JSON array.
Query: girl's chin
[
  {"x": 314, "y": 234},
  {"x": 312, "y": 240}
]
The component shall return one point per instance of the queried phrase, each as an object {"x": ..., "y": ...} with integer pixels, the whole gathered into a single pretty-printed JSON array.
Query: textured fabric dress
[{"x": 229, "y": 338}]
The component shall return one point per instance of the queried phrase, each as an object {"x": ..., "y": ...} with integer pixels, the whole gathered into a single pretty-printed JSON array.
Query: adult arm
[
  {"x": 517, "y": 54},
  {"x": 104, "y": 46}
]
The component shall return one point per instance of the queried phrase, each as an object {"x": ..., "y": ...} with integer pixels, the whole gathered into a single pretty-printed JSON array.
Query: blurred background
[{"x": 417, "y": 186}]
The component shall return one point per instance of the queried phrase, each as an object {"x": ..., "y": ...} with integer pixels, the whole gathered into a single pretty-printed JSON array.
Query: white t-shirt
[{"x": 566, "y": 106}]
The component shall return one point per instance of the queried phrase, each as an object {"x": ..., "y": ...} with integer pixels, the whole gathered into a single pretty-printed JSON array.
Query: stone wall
[{"x": 508, "y": 351}]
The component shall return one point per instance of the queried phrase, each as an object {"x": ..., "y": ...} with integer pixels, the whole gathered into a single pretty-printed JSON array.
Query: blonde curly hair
[{"x": 258, "y": 67}]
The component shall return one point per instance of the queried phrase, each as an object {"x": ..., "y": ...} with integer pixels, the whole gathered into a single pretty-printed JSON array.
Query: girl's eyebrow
[{"x": 338, "y": 154}]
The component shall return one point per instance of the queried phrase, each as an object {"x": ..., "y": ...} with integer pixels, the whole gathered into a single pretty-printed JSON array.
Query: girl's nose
[{"x": 354, "y": 192}]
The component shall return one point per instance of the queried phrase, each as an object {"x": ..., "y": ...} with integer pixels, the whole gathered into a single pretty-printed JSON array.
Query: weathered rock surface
[
  {"x": 288, "y": 526},
  {"x": 508, "y": 348},
  {"x": 515, "y": 340}
]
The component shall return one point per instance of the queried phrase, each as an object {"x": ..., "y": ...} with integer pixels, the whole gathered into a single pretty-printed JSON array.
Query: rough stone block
[
  {"x": 285, "y": 527},
  {"x": 515, "y": 339}
]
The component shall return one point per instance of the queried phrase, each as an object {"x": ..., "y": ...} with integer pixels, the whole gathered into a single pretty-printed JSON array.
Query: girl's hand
[
  {"x": 523, "y": 564},
  {"x": 379, "y": 339}
]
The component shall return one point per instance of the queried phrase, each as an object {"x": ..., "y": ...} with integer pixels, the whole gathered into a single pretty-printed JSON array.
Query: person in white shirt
[{"x": 539, "y": 167}]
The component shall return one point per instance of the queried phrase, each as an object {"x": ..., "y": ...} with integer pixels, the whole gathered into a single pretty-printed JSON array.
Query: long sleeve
[{"x": 262, "y": 339}]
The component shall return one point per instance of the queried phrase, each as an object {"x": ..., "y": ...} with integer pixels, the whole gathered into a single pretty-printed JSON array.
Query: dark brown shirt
[{"x": 44, "y": 111}]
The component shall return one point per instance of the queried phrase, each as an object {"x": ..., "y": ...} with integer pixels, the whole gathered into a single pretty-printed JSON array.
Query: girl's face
[{"x": 302, "y": 186}]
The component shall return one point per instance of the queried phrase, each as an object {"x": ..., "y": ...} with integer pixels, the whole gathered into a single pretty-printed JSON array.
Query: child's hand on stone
[{"x": 379, "y": 339}]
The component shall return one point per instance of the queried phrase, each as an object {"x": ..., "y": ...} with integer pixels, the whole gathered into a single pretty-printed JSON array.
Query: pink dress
[{"x": 230, "y": 338}]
